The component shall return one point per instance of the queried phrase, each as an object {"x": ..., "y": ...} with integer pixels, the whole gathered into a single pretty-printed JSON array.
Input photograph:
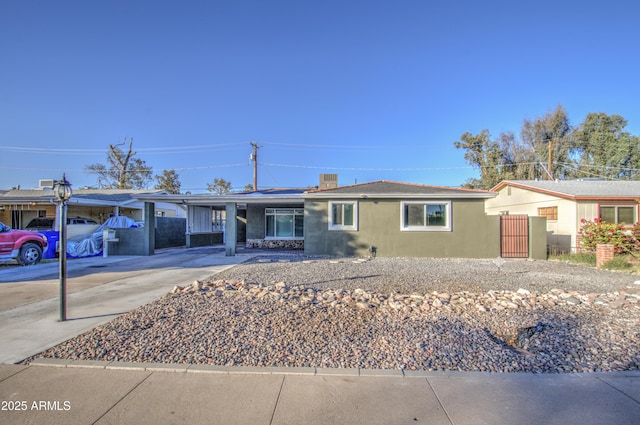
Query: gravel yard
[
  {"x": 407, "y": 275},
  {"x": 391, "y": 313}
]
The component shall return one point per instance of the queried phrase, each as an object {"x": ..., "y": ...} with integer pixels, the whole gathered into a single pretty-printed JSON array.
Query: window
[
  {"x": 343, "y": 215},
  {"x": 431, "y": 216},
  {"x": 284, "y": 223},
  {"x": 551, "y": 213},
  {"x": 618, "y": 214}
]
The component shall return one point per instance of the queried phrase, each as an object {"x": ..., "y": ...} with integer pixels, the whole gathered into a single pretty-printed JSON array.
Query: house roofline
[
  {"x": 365, "y": 195},
  {"x": 563, "y": 195},
  {"x": 458, "y": 192},
  {"x": 461, "y": 189}
]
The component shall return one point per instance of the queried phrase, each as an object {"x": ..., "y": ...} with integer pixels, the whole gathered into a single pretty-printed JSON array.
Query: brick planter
[{"x": 604, "y": 254}]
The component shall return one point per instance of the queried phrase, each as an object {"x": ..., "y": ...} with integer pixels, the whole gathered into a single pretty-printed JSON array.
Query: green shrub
[{"x": 624, "y": 239}]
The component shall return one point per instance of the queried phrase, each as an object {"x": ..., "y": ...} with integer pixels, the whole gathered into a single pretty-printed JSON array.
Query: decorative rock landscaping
[{"x": 351, "y": 313}]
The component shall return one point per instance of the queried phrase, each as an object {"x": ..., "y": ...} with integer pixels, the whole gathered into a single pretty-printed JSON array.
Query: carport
[{"x": 208, "y": 215}]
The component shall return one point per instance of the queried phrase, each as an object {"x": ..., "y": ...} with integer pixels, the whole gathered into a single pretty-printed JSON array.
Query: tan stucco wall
[
  {"x": 473, "y": 234},
  {"x": 561, "y": 233}
]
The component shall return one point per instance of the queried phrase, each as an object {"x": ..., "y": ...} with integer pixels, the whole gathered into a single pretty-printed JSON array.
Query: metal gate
[{"x": 514, "y": 236}]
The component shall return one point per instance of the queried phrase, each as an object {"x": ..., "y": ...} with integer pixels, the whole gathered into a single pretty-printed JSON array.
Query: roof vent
[{"x": 45, "y": 184}]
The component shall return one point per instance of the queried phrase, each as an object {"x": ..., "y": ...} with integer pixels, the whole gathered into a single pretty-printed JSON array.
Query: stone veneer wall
[{"x": 275, "y": 244}]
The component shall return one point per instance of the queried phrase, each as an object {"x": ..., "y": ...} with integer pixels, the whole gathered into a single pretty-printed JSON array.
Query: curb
[
  {"x": 301, "y": 371},
  {"x": 243, "y": 370}
]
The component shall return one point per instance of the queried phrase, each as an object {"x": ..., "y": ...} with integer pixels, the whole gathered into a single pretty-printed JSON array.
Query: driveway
[{"x": 98, "y": 290}]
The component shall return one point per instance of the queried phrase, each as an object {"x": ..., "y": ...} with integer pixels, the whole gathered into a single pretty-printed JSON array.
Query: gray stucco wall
[
  {"x": 255, "y": 221},
  {"x": 256, "y": 218},
  {"x": 170, "y": 232},
  {"x": 130, "y": 242},
  {"x": 256, "y": 228},
  {"x": 194, "y": 240},
  {"x": 474, "y": 234}
]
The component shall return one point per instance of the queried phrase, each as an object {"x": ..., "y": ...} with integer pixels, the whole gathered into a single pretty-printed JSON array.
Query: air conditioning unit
[{"x": 328, "y": 181}]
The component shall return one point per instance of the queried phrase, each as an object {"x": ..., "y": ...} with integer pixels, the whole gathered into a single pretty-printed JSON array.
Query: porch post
[
  {"x": 187, "y": 230},
  {"x": 230, "y": 229},
  {"x": 149, "y": 230}
]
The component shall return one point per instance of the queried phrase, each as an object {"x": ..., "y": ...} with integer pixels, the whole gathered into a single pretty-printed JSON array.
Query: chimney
[{"x": 328, "y": 181}]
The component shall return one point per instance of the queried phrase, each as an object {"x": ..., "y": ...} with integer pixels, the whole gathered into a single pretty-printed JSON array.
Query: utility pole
[
  {"x": 549, "y": 159},
  {"x": 254, "y": 158}
]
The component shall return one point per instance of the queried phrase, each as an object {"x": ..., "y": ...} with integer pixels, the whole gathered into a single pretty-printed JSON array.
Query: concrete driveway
[{"x": 98, "y": 290}]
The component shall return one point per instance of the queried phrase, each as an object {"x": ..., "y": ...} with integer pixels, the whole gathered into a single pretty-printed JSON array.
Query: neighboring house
[
  {"x": 18, "y": 206},
  {"x": 380, "y": 218},
  {"x": 565, "y": 203}
]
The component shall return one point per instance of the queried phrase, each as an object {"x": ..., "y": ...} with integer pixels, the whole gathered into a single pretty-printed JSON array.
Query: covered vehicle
[
  {"x": 24, "y": 246},
  {"x": 91, "y": 245}
]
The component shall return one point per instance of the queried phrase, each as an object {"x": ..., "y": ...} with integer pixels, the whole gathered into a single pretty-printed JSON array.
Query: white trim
[
  {"x": 354, "y": 226},
  {"x": 448, "y": 217}
]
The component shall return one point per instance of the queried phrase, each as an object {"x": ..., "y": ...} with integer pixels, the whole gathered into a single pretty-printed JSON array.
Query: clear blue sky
[{"x": 366, "y": 89}]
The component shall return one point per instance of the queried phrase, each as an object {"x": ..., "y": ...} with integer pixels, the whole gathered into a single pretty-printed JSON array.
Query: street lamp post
[{"x": 62, "y": 192}]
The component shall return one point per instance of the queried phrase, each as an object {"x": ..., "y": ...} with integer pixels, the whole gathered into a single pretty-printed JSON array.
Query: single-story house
[
  {"x": 565, "y": 203},
  {"x": 379, "y": 218}
]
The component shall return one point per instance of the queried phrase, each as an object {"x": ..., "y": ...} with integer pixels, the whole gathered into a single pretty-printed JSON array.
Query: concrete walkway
[{"x": 51, "y": 391}]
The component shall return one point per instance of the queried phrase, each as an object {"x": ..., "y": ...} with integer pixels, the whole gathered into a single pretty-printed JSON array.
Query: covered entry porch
[{"x": 271, "y": 218}]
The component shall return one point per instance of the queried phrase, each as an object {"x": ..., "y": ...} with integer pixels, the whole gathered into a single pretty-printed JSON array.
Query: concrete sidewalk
[{"x": 75, "y": 392}]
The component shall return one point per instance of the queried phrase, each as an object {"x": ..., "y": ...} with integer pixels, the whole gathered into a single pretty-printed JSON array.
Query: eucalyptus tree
[
  {"x": 549, "y": 139},
  {"x": 605, "y": 149}
]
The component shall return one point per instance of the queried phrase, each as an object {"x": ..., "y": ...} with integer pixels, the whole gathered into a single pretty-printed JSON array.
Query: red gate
[{"x": 514, "y": 236}]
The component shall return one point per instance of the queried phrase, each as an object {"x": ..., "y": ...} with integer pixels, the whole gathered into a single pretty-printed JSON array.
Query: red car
[{"x": 24, "y": 246}]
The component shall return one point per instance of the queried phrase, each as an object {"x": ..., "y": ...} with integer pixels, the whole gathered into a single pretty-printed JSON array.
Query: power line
[
  {"x": 162, "y": 150},
  {"x": 328, "y": 146},
  {"x": 361, "y": 168}
]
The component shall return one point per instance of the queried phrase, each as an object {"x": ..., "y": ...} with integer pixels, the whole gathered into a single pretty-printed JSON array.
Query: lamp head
[{"x": 62, "y": 189}]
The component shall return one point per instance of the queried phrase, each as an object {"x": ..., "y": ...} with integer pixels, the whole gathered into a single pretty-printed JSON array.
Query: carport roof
[
  {"x": 274, "y": 196},
  {"x": 89, "y": 197}
]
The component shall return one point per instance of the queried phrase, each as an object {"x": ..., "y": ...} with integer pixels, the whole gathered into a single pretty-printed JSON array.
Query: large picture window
[
  {"x": 426, "y": 215},
  {"x": 284, "y": 223},
  {"x": 343, "y": 215}
]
